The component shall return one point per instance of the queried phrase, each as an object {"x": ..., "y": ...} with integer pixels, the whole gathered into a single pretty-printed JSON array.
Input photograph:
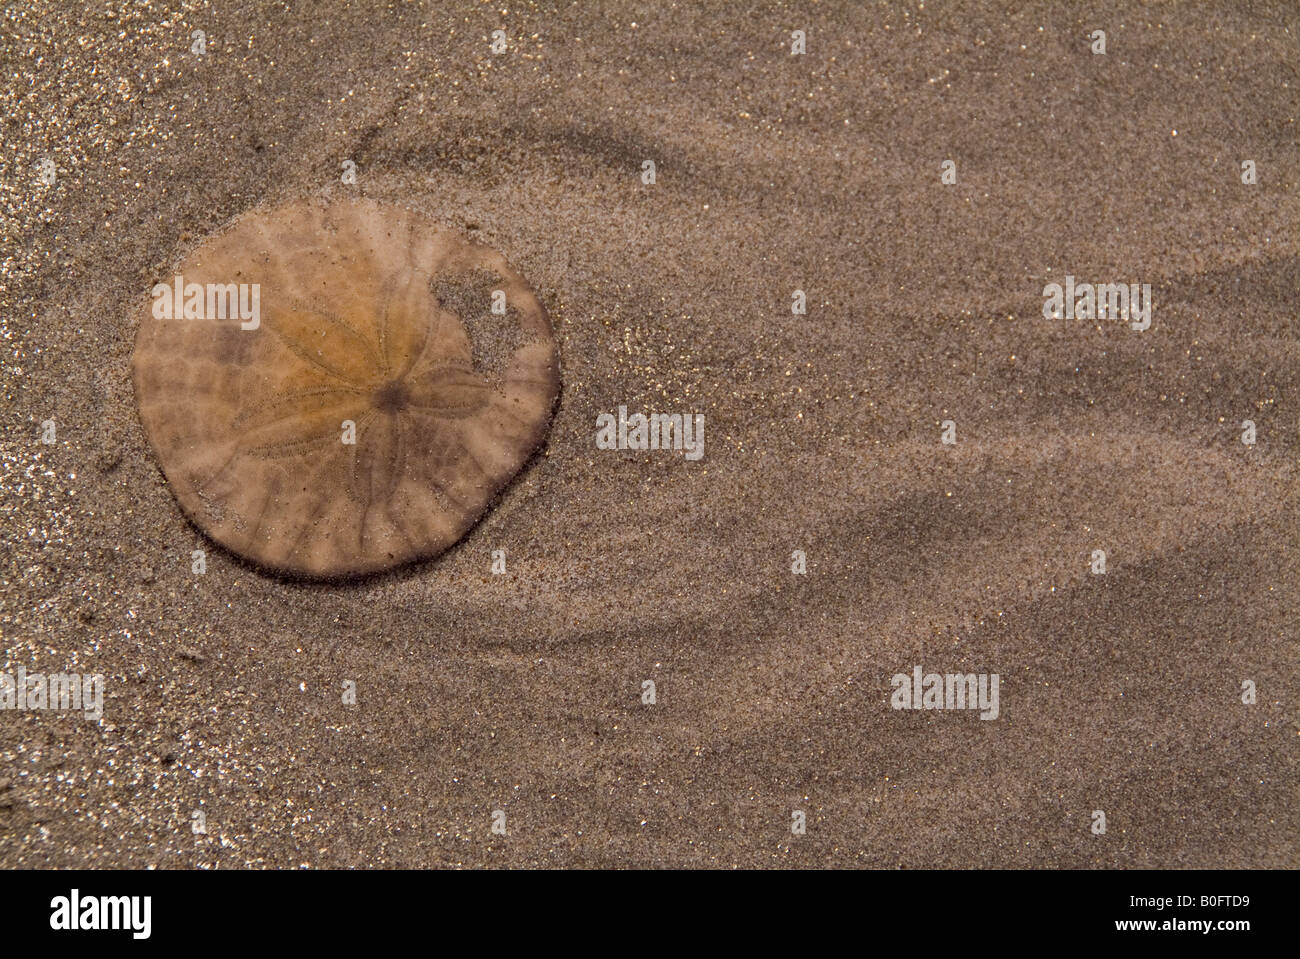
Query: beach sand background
[{"x": 1119, "y": 692}]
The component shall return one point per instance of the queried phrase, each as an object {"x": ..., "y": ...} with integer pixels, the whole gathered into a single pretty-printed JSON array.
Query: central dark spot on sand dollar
[
  {"x": 356, "y": 426},
  {"x": 391, "y": 397}
]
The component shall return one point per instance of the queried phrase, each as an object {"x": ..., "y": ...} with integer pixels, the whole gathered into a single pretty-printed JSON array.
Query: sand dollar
[{"x": 393, "y": 380}]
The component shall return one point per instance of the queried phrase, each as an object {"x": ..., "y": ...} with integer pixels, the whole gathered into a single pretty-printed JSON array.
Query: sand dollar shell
[{"x": 369, "y": 315}]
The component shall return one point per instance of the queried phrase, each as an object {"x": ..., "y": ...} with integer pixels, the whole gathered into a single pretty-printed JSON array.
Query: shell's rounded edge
[{"x": 196, "y": 389}]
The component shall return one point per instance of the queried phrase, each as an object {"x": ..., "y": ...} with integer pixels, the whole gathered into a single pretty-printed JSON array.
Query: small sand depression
[{"x": 253, "y": 421}]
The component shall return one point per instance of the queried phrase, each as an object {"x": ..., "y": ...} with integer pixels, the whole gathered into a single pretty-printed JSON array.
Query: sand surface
[{"x": 1119, "y": 692}]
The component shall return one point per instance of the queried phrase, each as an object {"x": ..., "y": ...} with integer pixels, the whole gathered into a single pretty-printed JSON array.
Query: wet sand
[{"x": 522, "y": 692}]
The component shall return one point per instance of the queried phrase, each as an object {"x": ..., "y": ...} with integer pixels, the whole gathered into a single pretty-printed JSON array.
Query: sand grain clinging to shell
[{"x": 372, "y": 327}]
